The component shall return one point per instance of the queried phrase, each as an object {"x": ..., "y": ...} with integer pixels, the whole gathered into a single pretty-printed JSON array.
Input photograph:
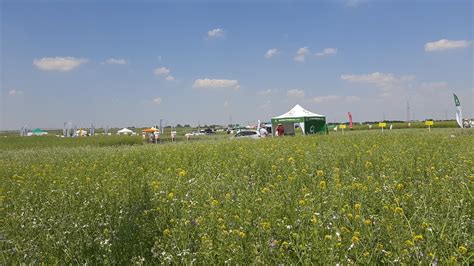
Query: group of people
[
  {"x": 153, "y": 137},
  {"x": 279, "y": 131}
]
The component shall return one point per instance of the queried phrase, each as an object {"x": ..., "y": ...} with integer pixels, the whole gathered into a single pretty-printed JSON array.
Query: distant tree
[
  {"x": 187, "y": 125},
  {"x": 179, "y": 125}
]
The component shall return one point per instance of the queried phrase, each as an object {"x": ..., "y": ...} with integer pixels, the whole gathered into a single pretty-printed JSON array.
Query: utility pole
[{"x": 408, "y": 111}]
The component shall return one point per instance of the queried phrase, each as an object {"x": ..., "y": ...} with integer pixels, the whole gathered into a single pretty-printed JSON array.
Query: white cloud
[
  {"x": 272, "y": 52},
  {"x": 169, "y": 78},
  {"x": 295, "y": 93},
  {"x": 161, "y": 71},
  {"x": 216, "y": 33},
  {"x": 383, "y": 80},
  {"x": 207, "y": 83},
  {"x": 445, "y": 44},
  {"x": 327, "y": 51},
  {"x": 15, "y": 92},
  {"x": 352, "y": 98},
  {"x": 320, "y": 99},
  {"x": 115, "y": 61},
  {"x": 226, "y": 104},
  {"x": 301, "y": 54},
  {"x": 264, "y": 92},
  {"x": 433, "y": 86},
  {"x": 58, "y": 63},
  {"x": 327, "y": 98},
  {"x": 157, "y": 101}
]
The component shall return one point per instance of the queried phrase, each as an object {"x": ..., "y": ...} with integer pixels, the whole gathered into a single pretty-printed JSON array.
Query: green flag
[{"x": 458, "y": 111}]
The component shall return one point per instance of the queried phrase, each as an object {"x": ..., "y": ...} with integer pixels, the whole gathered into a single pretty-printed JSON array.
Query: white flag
[{"x": 458, "y": 111}]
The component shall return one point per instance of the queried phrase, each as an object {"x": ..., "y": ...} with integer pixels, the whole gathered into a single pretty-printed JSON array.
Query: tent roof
[
  {"x": 298, "y": 111},
  {"x": 125, "y": 130},
  {"x": 37, "y": 130}
]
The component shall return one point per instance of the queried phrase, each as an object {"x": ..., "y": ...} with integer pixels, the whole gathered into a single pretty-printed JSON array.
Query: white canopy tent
[
  {"x": 124, "y": 131},
  {"x": 309, "y": 122}
]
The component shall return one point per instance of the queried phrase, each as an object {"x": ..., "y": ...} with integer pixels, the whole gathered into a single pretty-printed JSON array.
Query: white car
[{"x": 252, "y": 134}]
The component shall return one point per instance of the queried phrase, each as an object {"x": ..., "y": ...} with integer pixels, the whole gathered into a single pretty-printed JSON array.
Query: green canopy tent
[
  {"x": 38, "y": 132},
  {"x": 309, "y": 122}
]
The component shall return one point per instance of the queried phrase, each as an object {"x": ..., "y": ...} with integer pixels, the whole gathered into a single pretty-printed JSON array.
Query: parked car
[{"x": 253, "y": 134}]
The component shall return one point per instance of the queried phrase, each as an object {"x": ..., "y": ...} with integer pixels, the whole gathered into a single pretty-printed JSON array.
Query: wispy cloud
[
  {"x": 116, "y": 61},
  {"x": 264, "y": 92},
  {"x": 301, "y": 54},
  {"x": 272, "y": 52},
  {"x": 157, "y": 100},
  {"x": 161, "y": 71},
  {"x": 433, "y": 86},
  {"x": 295, "y": 93},
  {"x": 216, "y": 33},
  {"x": 327, "y": 51},
  {"x": 15, "y": 92},
  {"x": 328, "y": 98},
  {"x": 377, "y": 78},
  {"x": 207, "y": 83},
  {"x": 445, "y": 44},
  {"x": 165, "y": 72},
  {"x": 59, "y": 63}
]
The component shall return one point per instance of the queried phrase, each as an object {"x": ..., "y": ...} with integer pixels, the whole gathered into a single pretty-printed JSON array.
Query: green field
[{"x": 402, "y": 197}]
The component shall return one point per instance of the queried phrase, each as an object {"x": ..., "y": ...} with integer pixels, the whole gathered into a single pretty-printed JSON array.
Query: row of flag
[{"x": 458, "y": 113}]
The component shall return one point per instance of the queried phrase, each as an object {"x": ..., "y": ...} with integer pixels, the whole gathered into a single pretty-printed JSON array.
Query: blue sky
[{"x": 132, "y": 63}]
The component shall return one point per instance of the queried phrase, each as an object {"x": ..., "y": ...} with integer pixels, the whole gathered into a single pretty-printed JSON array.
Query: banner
[
  {"x": 458, "y": 111},
  {"x": 350, "y": 120}
]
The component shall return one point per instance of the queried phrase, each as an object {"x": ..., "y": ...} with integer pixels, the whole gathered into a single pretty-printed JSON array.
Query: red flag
[{"x": 350, "y": 120}]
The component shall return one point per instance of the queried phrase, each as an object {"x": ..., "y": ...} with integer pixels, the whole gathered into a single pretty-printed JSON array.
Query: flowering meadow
[{"x": 362, "y": 197}]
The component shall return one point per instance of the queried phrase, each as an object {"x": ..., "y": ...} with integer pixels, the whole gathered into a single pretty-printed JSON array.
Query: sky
[{"x": 134, "y": 63}]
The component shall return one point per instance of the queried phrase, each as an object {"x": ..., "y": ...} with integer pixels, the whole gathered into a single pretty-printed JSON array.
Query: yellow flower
[
  {"x": 227, "y": 196},
  {"x": 355, "y": 239},
  {"x": 167, "y": 232},
  {"x": 418, "y": 237},
  {"x": 170, "y": 195},
  {"x": 291, "y": 160},
  {"x": 367, "y": 222},
  {"x": 320, "y": 173},
  {"x": 242, "y": 234},
  {"x": 357, "y": 206},
  {"x": 155, "y": 185},
  {"x": 314, "y": 220},
  {"x": 302, "y": 202},
  {"x": 366, "y": 254},
  {"x": 182, "y": 173},
  {"x": 409, "y": 243},
  {"x": 398, "y": 210},
  {"x": 462, "y": 249},
  {"x": 322, "y": 184},
  {"x": 368, "y": 164},
  {"x": 265, "y": 190},
  {"x": 214, "y": 202},
  {"x": 265, "y": 225},
  {"x": 328, "y": 237}
]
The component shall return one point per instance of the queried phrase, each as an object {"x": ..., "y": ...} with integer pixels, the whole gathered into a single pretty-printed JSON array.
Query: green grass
[{"x": 401, "y": 197}]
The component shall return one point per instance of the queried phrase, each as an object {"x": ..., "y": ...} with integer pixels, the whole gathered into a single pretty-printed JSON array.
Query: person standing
[
  {"x": 280, "y": 130},
  {"x": 263, "y": 131}
]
